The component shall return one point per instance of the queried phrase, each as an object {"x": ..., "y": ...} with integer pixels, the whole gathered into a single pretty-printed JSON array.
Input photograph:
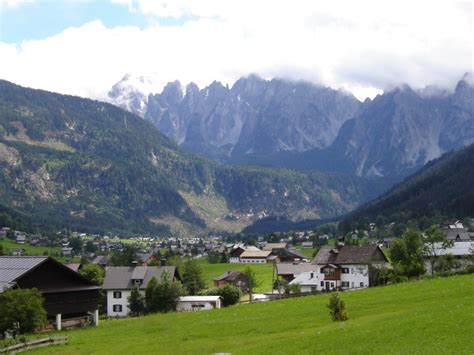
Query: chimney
[{"x": 163, "y": 262}]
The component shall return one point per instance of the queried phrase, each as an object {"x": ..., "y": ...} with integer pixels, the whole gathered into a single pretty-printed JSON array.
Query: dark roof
[
  {"x": 229, "y": 276},
  {"x": 349, "y": 254},
  {"x": 12, "y": 268},
  {"x": 120, "y": 277},
  {"x": 457, "y": 234}
]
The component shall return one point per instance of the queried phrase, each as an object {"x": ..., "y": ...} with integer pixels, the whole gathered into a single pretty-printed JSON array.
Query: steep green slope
[
  {"x": 413, "y": 318},
  {"x": 82, "y": 164},
  {"x": 444, "y": 186}
]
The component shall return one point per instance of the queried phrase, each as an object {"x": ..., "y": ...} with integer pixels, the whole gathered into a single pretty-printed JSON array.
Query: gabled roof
[
  {"x": 13, "y": 268},
  {"x": 349, "y": 254},
  {"x": 229, "y": 276},
  {"x": 308, "y": 279},
  {"x": 120, "y": 277}
]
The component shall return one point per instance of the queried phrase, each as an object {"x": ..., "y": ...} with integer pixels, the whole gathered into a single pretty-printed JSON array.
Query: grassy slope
[
  {"x": 264, "y": 273},
  {"x": 430, "y": 317}
]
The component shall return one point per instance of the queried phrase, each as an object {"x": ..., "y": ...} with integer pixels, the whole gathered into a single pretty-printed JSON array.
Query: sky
[{"x": 83, "y": 47}]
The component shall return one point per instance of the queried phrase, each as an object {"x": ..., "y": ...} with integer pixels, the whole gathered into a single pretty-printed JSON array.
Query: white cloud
[{"x": 363, "y": 47}]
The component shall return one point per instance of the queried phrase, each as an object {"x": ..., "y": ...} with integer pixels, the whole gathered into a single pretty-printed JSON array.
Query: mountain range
[
  {"x": 68, "y": 162},
  {"x": 306, "y": 126}
]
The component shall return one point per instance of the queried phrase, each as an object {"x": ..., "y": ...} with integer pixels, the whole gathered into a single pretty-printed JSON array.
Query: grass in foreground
[{"x": 429, "y": 317}]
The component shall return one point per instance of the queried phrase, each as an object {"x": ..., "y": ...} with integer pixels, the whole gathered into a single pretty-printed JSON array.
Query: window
[
  {"x": 345, "y": 270},
  {"x": 314, "y": 288},
  {"x": 328, "y": 271},
  {"x": 322, "y": 283},
  {"x": 117, "y": 308},
  {"x": 117, "y": 294},
  {"x": 345, "y": 284},
  {"x": 361, "y": 284}
]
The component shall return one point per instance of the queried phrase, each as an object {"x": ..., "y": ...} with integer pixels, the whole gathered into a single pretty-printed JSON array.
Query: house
[
  {"x": 66, "y": 251},
  {"x": 66, "y": 293},
  {"x": 234, "y": 278},
  {"x": 462, "y": 251},
  {"x": 101, "y": 260},
  {"x": 120, "y": 280},
  {"x": 307, "y": 245},
  {"x": 289, "y": 271},
  {"x": 198, "y": 303},
  {"x": 20, "y": 237},
  {"x": 289, "y": 255},
  {"x": 343, "y": 267},
  {"x": 18, "y": 252},
  {"x": 237, "y": 250},
  {"x": 457, "y": 234},
  {"x": 255, "y": 256}
]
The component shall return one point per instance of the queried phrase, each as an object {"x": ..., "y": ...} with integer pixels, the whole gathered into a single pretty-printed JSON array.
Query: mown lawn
[
  {"x": 424, "y": 317},
  {"x": 264, "y": 273}
]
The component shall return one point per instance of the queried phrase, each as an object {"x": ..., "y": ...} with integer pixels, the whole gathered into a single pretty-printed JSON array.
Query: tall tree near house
[
  {"x": 151, "y": 300},
  {"x": 434, "y": 235},
  {"x": 167, "y": 293},
  {"x": 193, "y": 279},
  {"x": 407, "y": 254},
  {"x": 251, "y": 276},
  {"x": 136, "y": 302}
]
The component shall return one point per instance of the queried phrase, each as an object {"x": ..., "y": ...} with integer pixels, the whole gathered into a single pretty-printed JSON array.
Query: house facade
[
  {"x": 342, "y": 268},
  {"x": 234, "y": 278},
  {"x": 120, "y": 280}
]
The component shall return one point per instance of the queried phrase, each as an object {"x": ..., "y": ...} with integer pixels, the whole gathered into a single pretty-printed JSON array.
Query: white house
[
  {"x": 198, "y": 303},
  {"x": 120, "y": 280},
  {"x": 255, "y": 256},
  {"x": 344, "y": 267}
]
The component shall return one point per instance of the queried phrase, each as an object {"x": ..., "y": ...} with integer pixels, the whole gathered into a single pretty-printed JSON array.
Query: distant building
[
  {"x": 198, "y": 303},
  {"x": 462, "y": 251},
  {"x": 120, "y": 280},
  {"x": 342, "y": 267},
  {"x": 234, "y": 278}
]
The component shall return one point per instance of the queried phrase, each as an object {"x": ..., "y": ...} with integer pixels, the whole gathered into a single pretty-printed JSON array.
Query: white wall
[
  {"x": 123, "y": 301},
  {"x": 234, "y": 260},
  {"x": 357, "y": 277},
  {"x": 253, "y": 261},
  {"x": 187, "y": 306}
]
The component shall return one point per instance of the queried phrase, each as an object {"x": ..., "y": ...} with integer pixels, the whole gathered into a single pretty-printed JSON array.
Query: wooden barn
[{"x": 66, "y": 293}]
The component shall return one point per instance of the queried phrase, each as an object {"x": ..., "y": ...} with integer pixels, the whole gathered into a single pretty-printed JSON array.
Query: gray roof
[
  {"x": 348, "y": 254},
  {"x": 13, "y": 267},
  {"x": 293, "y": 269},
  {"x": 457, "y": 249},
  {"x": 457, "y": 234},
  {"x": 229, "y": 276},
  {"x": 120, "y": 277}
]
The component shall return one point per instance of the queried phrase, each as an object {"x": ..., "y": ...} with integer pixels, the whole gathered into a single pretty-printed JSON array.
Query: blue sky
[{"x": 44, "y": 18}]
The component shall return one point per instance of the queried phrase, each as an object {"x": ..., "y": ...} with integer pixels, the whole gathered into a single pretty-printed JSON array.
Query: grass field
[
  {"x": 424, "y": 317},
  {"x": 9, "y": 245},
  {"x": 264, "y": 273}
]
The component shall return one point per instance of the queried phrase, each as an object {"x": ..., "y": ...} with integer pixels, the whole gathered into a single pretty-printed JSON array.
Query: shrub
[
  {"x": 21, "y": 310},
  {"x": 337, "y": 308},
  {"x": 230, "y": 294}
]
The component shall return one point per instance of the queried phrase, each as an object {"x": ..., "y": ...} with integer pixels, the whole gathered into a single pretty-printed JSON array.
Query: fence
[{"x": 34, "y": 344}]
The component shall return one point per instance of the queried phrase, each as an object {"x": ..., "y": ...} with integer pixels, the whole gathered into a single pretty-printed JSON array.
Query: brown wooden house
[
  {"x": 234, "y": 278},
  {"x": 66, "y": 293}
]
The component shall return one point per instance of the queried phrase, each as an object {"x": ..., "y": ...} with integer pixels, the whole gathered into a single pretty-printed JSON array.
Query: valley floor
[{"x": 429, "y": 317}]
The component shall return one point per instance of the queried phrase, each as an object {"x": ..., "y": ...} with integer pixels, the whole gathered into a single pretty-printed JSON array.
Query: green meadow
[
  {"x": 10, "y": 245},
  {"x": 424, "y": 317}
]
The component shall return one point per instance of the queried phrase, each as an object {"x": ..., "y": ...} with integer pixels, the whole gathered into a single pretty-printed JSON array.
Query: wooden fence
[{"x": 34, "y": 344}]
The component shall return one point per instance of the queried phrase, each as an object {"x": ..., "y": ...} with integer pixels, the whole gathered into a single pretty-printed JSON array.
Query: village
[{"x": 99, "y": 277}]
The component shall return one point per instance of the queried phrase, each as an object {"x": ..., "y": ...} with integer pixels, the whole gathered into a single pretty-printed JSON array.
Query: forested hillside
[
  {"x": 443, "y": 187},
  {"x": 74, "y": 163}
]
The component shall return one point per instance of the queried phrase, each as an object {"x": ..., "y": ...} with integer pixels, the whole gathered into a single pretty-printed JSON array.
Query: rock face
[
  {"x": 254, "y": 117},
  {"x": 400, "y": 131},
  {"x": 305, "y": 126}
]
